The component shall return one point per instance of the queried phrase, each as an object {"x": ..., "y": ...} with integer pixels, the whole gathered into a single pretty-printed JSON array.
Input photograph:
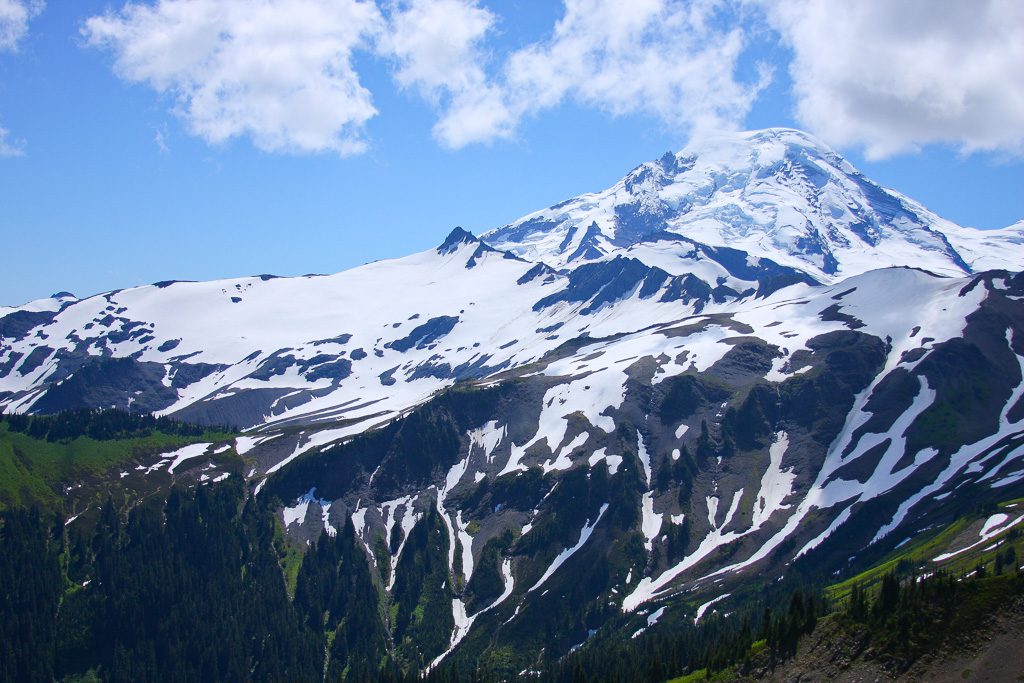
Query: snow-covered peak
[
  {"x": 778, "y": 194},
  {"x": 748, "y": 151},
  {"x": 52, "y": 304}
]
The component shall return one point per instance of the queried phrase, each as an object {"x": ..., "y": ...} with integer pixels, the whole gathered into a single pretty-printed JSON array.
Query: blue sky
[{"x": 202, "y": 139}]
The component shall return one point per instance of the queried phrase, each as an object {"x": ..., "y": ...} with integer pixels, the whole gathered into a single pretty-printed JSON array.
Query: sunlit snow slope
[{"x": 777, "y": 194}]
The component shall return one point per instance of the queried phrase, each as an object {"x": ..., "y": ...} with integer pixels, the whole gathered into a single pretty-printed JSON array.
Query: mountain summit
[{"x": 778, "y": 194}]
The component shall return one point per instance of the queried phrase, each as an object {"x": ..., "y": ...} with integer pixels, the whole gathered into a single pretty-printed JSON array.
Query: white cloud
[
  {"x": 437, "y": 46},
  {"x": 14, "y": 16},
  {"x": 670, "y": 60},
  {"x": 161, "y": 141},
  {"x": 661, "y": 58},
  {"x": 476, "y": 116},
  {"x": 892, "y": 76},
  {"x": 888, "y": 76},
  {"x": 10, "y": 148},
  {"x": 279, "y": 71}
]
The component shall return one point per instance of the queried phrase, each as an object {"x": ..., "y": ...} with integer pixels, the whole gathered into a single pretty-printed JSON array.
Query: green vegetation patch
[{"x": 40, "y": 456}]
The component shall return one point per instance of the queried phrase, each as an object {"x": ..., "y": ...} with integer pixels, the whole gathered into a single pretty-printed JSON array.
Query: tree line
[{"x": 100, "y": 425}]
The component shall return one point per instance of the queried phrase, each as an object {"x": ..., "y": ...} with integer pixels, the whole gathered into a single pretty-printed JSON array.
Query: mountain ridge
[
  {"x": 627, "y": 404},
  {"x": 715, "y": 190}
]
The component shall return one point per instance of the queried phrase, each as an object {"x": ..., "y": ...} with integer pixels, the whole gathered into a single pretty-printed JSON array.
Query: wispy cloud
[
  {"x": 668, "y": 60},
  {"x": 14, "y": 16},
  {"x": 279, "y": 71},
  {"x": 437, "y": 46},
  {"x": 892, "y": 76},
  {"x": 8, "y": 147},
  {"x": 672, "y": 61},
  {"x": 888, "y": 76},
  {"x": 161, "y": 141}
]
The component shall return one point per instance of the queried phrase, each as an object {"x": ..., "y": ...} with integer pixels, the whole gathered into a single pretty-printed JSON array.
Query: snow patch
[
  {"x": 652, "y": 521},
  {"x": 645, "y": 457},
  {"x": 488, "y": 438},
  {"x": 182, "y": 454},
  {"x": 776, "y": 483},
  {"x": 994, "y": 525},
  {"x": 568, "y": 552},
  {"x": 703, "y": 608},
  {"x": 611, "y": 461}
]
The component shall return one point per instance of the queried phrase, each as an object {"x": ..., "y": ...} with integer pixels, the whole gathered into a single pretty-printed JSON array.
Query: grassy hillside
[
  {"x": 938, "y": 602},
  {"x": 78, "y": 455}
]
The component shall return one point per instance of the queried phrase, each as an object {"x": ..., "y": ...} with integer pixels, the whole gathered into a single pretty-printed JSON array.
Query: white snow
[
  {"x": 488, "y": 437},
  {"x": 612, "y": 461},
  {"x": 182, "y": 454},
  {"x": 409, "y": 520},
  {"x": 1006, "y": 481},
  {"x": 764, "y": 192},
  {"x": 328, "y": 527},
  {"x": 651, "y": 525},
  {"x": 649, "y": 587},
  {"x": 993, "y": 522},
  {"x": 703, "y": 608},
  {"x": 463, "y": 622},
  {"x": 712, "y": 502},
  {"x": 585, "y": 396},
  {"x": 562, "y": 460},
  {"x": 296, "y": 513},
  {"x": 456, "y": 530},
  {"x": 515, "y": 457},
  {"x": 645, "y": 458},
  {"x": 994, "y": 525},
  {"x": 466, "y": 541},
  {"x": 776, "y": 483},
  {"x": 244, "y": 444},
  {"x": 568, "y": 552},
  {"x": 967, "y": 453}
]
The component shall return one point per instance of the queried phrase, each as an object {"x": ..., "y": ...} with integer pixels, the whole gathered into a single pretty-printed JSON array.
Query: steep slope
[
  {"x": 777, "y": 194},
  {"x": 652, "y": 473},
  {"x": 265, "y": 349},
  {"x": 361, "y": 346}
]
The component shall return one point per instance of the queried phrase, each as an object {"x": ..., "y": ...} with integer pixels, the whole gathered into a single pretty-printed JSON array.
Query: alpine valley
[{"x": 745, "y": 367}]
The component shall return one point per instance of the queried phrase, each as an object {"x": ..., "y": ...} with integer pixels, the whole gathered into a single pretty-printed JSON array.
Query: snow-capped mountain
[
  {"x": 775, "y": 194},
  {"x": 616, "y": 409}
]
